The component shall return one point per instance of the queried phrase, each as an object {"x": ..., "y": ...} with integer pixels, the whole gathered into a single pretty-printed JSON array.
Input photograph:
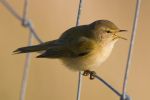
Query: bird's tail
[{"x": 35, "y": 48}]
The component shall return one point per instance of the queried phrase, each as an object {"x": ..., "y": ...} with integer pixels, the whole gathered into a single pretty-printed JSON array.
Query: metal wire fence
[{"x": 28, "y": 24}]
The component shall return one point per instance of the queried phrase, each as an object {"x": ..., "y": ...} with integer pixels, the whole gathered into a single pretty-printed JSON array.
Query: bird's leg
[{"x": 91, "y": 73}]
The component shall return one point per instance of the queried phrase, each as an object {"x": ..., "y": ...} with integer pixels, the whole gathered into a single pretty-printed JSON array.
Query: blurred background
[{"x": 49, "y": 79}]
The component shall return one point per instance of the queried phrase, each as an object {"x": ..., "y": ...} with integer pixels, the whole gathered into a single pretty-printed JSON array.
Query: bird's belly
[{"x": 90, "y": 61}]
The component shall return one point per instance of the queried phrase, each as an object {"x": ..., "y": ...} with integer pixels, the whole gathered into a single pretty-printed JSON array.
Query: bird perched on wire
[{"x": 81, "y": 48}]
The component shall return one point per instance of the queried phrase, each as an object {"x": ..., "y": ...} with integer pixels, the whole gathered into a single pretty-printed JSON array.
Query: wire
[
  {"x": 26, "y": 71},
  {"x": 25, "y": 12},
  {"x": 28, "y": 55},
  {"x": 107, "y": 84},
  {"x": 134, "y": 30},
  {"x": 79, "y": 12},
  {"x": 80, "y": 73},
  {"x": 29, "y": 24},
  {"x": 11, "y": 9},
  {"x": 79, "y": 86}
]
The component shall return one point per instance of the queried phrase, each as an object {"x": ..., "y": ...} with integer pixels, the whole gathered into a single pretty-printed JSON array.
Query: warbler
[{"x": 81, "y": 48}]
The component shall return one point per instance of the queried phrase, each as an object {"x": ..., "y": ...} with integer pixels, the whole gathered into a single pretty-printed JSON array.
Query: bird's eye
[{"x": 108, "y": 31}]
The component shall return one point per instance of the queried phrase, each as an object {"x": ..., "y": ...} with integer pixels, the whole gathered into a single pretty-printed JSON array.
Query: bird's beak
[
  {"x": 122, "y": 30},
  {"x": 121, "y": 36}
]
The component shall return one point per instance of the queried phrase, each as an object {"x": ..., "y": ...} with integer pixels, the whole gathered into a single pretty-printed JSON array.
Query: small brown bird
[{"x": 81, "y": 48}]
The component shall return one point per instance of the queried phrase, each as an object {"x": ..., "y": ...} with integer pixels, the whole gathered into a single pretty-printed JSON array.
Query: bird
[{"x": 80, "y": 48}]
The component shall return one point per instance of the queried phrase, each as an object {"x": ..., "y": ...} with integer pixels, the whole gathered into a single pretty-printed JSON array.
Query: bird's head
[{"x": 106, "y": 30}]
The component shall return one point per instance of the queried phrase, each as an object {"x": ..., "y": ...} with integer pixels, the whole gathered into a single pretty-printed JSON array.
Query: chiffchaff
[{"x": 82, "y": 47}]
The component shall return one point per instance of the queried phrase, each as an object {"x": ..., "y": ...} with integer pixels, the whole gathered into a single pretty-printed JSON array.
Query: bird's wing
[
  {"x": 73, "y": 43},
  {"x": 81, "y": 47},
  {"x": 53, "y": 52},
  {"x": 74, "y": 48}
]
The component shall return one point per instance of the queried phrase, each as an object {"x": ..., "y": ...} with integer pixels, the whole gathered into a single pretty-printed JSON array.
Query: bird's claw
[
  {"x": 86, "y": 73},
  {"x": 91, "y": 73}
]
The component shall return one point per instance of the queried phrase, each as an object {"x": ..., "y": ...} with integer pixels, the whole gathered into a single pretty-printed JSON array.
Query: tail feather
[
  {"x": 35, "y": 48},
  {"x": 27, "y": 49}
]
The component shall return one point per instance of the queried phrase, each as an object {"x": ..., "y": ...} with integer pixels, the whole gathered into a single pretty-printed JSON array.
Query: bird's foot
[
  {"x": 91, "y": 73},
  {"x": 86, "y": 73}
]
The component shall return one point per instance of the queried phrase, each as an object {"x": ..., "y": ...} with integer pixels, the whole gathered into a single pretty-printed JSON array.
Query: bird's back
[{"x": 74, "y": 33}]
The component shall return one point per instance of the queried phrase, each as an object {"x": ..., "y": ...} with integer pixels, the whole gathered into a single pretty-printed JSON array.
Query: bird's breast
[
  {"x": 94, "y": 59},
  {"x": 105, "y": 51}
]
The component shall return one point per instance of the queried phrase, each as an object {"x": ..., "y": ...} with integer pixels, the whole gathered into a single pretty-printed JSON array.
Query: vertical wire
[
  {"x": 134, "y": 30},
  {"x": 26, "y": 71},
  {"x": 79, "y": 12},
  {"x": 79, "y": 86},
  {"x": 80, "y": 73},
  {"x": 25, "y": 12},
  {"x": 28, "y": 56}
]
